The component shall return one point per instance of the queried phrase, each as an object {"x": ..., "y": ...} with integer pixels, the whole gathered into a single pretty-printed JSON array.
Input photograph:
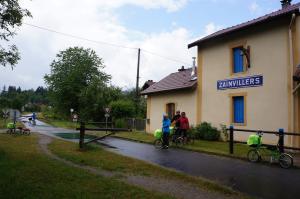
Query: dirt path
[{"x": 174, "y": 188}]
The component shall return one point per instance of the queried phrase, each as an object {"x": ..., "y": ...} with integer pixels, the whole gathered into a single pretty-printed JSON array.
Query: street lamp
[{"x": 71, "y": 111}]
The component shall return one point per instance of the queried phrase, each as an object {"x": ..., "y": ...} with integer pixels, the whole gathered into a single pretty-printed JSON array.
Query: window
[
  {"x": 170, "y": 110},
  {"x": 238, "y": 109},
  {"x": 238, "y": 60}
]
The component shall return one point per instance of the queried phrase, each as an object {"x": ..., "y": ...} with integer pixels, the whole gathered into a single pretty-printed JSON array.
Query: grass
[
  {"x": 97, "y": 157},
  {"x": 27, "y": 173}
]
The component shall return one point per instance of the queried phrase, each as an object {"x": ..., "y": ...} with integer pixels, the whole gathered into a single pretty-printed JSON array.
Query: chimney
[
  {"x": 181, "y": 69},
  {"x": 285, "y": 3},
  {"x": 193, "y": 74}
]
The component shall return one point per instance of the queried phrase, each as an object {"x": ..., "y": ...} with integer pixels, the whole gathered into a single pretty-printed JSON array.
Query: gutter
[{"x": 291, "y": 71}]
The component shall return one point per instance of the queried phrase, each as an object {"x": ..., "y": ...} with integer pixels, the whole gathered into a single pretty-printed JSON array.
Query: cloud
[
  {"x": 255, "y": 8},
  {"x": 96, "y": 20},
  {"x": 211, "y": 28}
]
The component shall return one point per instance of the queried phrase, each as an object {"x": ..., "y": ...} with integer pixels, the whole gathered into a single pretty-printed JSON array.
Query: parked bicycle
[{"x": 285, "y": 160}]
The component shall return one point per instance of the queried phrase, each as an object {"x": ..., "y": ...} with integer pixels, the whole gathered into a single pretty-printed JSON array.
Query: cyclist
[
  {"x": 33, "y": 118},
  {"x": 184, "y": 126},
  {"x": 175, "y": 120},
  {"x": 166, "y": 123}
]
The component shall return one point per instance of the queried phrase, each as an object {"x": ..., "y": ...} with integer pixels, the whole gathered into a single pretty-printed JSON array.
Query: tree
[
  {"x": 11, "y": 16},
  {"x": 122, "y": 109},
  {"x": 76, "y": 81}
]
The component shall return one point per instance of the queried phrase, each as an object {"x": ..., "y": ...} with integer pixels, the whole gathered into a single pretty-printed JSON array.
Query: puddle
[{"x": 74, "y": 136}]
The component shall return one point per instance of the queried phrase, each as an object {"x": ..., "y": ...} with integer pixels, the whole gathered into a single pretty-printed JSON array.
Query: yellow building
[
  {"x": 244, "y": 78},
  {"x": 245, "y": 75}
]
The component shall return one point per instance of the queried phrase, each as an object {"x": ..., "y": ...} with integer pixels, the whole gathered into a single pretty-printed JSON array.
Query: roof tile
[
  {"x": 174, "y": 81},
  {"x": 282, "y": 12}
]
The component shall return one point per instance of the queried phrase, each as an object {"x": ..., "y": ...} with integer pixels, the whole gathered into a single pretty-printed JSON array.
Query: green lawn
[
  {"x": 97, "y": 157},
  {"x": 27, "y": 173}
]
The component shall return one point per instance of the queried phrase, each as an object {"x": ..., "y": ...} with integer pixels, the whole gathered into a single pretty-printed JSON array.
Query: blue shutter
[
  {"x": 238, "y": 61},
  {"x": 238, "y": 109}
]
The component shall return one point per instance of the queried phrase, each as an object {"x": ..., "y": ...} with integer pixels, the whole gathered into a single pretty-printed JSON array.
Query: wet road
[{"x": 258, "y": 180}]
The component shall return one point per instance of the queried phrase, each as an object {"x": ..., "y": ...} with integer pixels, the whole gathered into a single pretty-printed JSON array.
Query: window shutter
[
  {"x": 238, "y": 60},
  {"x": 238, "y": 106}
]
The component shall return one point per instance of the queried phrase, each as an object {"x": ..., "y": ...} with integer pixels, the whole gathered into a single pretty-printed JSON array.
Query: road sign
[
  {"x": 75, "y": 117},
  {"x": 106, "y": 115},
  {"x": 5, "y": 113},
  {"x": 107, "y": 110}
]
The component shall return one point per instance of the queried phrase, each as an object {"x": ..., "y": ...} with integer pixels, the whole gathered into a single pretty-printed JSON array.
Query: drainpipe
[{"x": 292, "y": 116}]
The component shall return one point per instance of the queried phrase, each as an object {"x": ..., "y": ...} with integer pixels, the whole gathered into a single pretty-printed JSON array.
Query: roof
[
  {"x": 147, "y": 84},
  {"x": 266, "y": 18},
  {"x": 175, "y": 81}
]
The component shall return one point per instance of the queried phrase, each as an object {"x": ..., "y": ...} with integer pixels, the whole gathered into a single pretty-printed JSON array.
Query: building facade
[{"x": 245, "y": 75}]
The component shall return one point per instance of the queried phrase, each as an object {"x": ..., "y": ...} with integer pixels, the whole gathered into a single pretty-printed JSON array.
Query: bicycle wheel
[
  {"x": 179, "y": 141},
  {"x": 285, "y": 160},
  {"x": 253, "y": 155},
  {"x": 158, "y": 143}
]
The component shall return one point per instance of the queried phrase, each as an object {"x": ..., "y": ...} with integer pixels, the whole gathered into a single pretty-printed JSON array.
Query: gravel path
[{"x": 172, "y": 187}]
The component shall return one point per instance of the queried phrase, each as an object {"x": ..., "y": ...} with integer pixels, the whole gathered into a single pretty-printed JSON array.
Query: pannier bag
[
  {"x": 11, "y": 125},
  {"x": 158, "y": 133},
  {"x": 254, "y": 140}
]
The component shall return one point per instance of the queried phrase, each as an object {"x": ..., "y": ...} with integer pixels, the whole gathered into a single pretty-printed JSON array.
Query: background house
[{"x": 177, "y": 91}]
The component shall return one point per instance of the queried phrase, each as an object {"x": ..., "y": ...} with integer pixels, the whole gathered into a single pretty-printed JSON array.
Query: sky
[{"x": 161, "y": 28}]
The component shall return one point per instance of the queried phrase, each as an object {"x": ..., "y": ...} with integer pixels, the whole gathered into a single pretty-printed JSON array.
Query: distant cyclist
[{"x": 33, "y": 118}]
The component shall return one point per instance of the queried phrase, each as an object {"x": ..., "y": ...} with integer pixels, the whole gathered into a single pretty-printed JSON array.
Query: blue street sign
[{"x": 242, "y": 82}]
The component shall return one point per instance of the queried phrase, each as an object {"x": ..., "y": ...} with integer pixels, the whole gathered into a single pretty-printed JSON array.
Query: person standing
[
  {"x": 184, "y": 126},
  {"x": 166, "y": 131},
  {"x": 175, "y": 120}
]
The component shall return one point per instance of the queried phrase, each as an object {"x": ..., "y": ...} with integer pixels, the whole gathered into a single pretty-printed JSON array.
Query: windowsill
[
  {"x": 238, "y": 74},
  {"x": 239, "y": 124}
]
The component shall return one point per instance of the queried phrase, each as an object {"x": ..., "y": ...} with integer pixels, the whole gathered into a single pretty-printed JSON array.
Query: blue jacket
[{"x": 166, "y": 126}]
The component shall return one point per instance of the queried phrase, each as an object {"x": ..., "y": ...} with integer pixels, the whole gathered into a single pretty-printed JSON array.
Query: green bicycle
[{"x": 285, "y": 160}]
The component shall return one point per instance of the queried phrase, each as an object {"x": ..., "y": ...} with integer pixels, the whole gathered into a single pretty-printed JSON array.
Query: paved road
[
  {"x": 262, "y": 181},
  {"x": 258, "y": 180}
]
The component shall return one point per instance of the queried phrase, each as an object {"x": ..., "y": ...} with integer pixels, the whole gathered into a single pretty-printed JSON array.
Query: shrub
[
  {"x": 120, "y": 123},
  {"x": 206, "y": 132},
  {"x": 122, "y": 109}
]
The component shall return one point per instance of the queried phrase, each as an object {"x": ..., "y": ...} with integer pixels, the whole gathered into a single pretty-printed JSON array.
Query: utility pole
[{"x": 137, "y": 80}]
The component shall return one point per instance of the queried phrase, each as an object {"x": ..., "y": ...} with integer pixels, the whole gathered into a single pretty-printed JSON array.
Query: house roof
[
  {"x": 147, "y": 84},
  {"x": 266, "y": 18},
  {"x": 175, "y": 81}
]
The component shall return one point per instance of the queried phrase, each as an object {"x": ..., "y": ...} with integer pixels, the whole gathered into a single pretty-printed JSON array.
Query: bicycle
[
  {"x": 178, "y": 141},
  {"x": 254, "y": 155}
]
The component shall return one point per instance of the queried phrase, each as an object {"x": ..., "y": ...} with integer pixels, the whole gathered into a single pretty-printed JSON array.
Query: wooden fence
[{"x": 279, "y": 133}]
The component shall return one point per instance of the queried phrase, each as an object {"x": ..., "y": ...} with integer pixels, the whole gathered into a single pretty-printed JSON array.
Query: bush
[
  {"x": 122, "y": 109},
  {"x": 120, "y": 123},
  {"x": 206, "y": 132}
]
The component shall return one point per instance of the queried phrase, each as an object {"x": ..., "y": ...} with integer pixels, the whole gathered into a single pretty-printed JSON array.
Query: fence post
[
  {"x": 231, "y": 139},
  {"x": 281, "y": 140},
  {"x": 81, "y": 136}
]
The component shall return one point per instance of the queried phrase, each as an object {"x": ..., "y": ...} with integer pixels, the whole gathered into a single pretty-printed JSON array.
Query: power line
[
  {"x": 81, "y": 38},
  {"x": 104, "y": 43},
  {"x": 164, "y": 57}
]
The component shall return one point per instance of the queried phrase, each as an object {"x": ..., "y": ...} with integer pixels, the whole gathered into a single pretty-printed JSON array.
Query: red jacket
[{"x": 184, "y": 123}]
